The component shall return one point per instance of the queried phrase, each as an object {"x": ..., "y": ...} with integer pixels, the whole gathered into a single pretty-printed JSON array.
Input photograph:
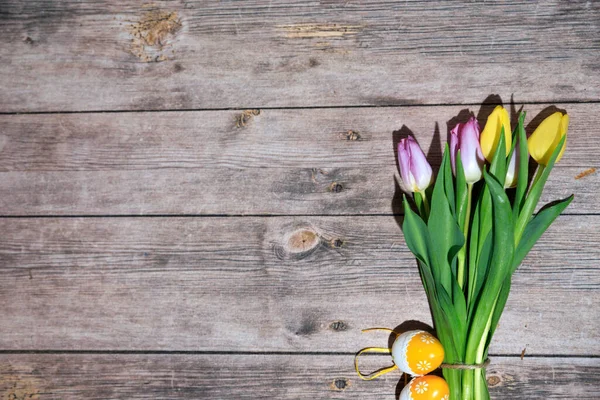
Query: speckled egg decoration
[
  {"x": 417, "y": 353},
  {"x": 428, "y": 387}
]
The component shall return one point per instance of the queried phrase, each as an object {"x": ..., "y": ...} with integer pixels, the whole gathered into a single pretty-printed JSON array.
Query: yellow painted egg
[
  {"x": 417, "y": 353},
  {"x": 428, "y": 387}
]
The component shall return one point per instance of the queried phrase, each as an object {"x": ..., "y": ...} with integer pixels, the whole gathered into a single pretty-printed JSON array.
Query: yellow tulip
[
  {"x": 547, "y": 136},
  {"x": 491, "y": 133}
]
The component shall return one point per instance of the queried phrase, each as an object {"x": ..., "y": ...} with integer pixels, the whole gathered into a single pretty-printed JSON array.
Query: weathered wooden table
[{"x": 197, "y": 197}]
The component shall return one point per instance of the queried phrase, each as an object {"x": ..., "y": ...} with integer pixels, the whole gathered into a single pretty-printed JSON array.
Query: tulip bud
[
  {"x": 415, "y": 171},
  {"x": 490, "y": 136},
  {"x": 465, "y": 137},
  {"x": 547, "y": 136},
  {"x": 512, "y": 170}
]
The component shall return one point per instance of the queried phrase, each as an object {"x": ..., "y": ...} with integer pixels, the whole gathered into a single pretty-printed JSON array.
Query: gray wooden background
[{"x": 197, "y": 198}]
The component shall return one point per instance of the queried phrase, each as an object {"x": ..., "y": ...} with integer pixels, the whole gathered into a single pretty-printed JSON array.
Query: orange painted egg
[
  {"x": 428, "y": 387},
  {"x": 417, "y": 353}
]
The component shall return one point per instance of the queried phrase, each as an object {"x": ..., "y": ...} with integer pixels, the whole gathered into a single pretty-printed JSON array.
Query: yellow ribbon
[{"x": 385, "y": 350}]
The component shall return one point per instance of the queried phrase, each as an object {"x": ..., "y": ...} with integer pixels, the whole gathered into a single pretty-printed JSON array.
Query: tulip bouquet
[{"x": 471, "y": 229}]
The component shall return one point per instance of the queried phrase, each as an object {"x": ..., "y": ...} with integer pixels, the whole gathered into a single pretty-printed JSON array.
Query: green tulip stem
[
  {"x": 528, "y": 208},
  {"x": 463, "y": 251},
  {"x": 481, "y": 348},
  {"x": 425, "y": 202},
  {"x": 538, "y": 174},
  {"x": 472, "y": 387}
]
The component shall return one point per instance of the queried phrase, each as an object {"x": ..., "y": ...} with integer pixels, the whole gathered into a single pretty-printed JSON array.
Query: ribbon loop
[
  {"x": 381, "y": 371},
  {"x": 377, "y": 373},
  {"x": 378, "y": 329}
]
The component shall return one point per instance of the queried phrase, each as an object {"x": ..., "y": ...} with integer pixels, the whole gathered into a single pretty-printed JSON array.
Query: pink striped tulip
[
  {"x": 415, "y": 171},
  {"x": 465, "y": 137}
]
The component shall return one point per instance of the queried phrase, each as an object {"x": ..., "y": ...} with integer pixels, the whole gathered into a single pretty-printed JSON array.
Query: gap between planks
[
  {"x": 59, "y": 216},
  {"x": 265, "y": 353},
  {"x": 315, "y": 107},
  {"x": 268, "y": 377}
]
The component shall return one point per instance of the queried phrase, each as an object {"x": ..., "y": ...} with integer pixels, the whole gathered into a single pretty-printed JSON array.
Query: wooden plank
[
  {"x": 123, "y": 55},
  {"x": 178, "y": 376},
  {"x": 274, "y": 138},
  {"x": 268, "y": 191},
  {"x": 265, "y": 284},
  {"x": 281, "y": 162}
]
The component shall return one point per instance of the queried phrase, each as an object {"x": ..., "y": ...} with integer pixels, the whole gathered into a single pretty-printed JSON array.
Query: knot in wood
[
  {"x": 241, "y": 120},
  {"x": 151, "y": 34},
  {"x": 302, "y": 241},
  {"x": 493, "y": 380},
  {"x": 352, "y": 135}
]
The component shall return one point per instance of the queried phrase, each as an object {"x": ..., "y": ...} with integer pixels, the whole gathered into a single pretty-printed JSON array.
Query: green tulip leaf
[
  {"x": 418, "y": 241},
  {"x": 499, "y": 308},
  {"x": 501, "y": 261},
  {"x": 460, "y": 306},
  {"x": 446, "y": 236},
  {"x": 498, "y": 170},
  {"x": 446, "y": 170},
  {"x": 416, "y": 234},
  {"x": 480, "y": 272},
  {"x": 523, "y": 172},
  {"x": 457, "y": 322},
  {"x": 485, "y": 259},
  {"x": 498, "y": 165},
  {"x": 536, "y": 191},
  {"x": 537, "y": 226},
  {"x": 473, "y": 257}
]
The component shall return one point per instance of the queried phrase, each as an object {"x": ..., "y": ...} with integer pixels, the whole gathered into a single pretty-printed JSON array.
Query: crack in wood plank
[{"x": 314, "y": 30}]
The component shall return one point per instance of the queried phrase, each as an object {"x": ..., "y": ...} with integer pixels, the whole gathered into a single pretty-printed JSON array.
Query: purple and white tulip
[
  {"x": 465, "y": 137},
  {"x": 415, "y": 171}
]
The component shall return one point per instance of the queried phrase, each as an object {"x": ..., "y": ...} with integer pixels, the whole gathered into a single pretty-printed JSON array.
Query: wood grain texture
[
  {"x": 261, "y": 272},
  {"x": 281, "y": 162},
  {"x": 126, "y": 55},
  {"x": 265, "y": 284},
  {"x": 177, "y": 376}
]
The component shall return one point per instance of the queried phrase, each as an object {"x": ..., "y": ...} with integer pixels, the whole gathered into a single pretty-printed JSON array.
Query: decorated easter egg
[
  {"x": 417, "y": 353},
  {"x": 428, "y": 387}
]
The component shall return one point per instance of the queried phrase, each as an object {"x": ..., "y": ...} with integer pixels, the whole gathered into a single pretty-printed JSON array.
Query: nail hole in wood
[
  {"x": 337, "y": 243},
  {"x": 338, "y": 326},
  {"x": 336, "y": 187},
  {"x": 340, "y": 384},
  {"x": 352, "y": 135}
]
